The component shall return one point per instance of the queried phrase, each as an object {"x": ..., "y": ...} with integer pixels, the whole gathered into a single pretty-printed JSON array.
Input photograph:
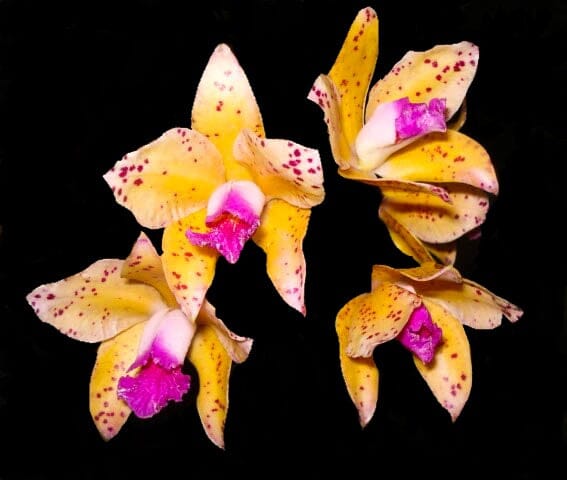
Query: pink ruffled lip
[
  {"x": 233, "y": 216},
  {"x": 161, "y": 353},
  {"x": 420, "y": 335},
  {"x": 153, "y": 388},
  {"x": 394, "y": 125},
  {"x": 416, "y": 119}
]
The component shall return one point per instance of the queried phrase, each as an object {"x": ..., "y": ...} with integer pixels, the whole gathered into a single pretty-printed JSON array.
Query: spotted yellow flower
[
  {"x": 219, "y": 183},
  {"x": 435, "y": 181},
  {"x": 426, "y": 309},
  {"x": 145, "y": 338}
]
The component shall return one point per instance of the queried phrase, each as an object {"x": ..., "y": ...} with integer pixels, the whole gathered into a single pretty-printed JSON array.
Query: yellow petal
[
  {"x": 360, "y": 374},
  {"x": 446, "y": 253},
  {"x": 325, "y": 94},
  {"x": 449, "y": 375},
  {"x": 282, "y": 169},
  {"x": 280, "y": 235},
  {"x": 342, "y": 94},
  {"x": 378, "y": 317},
  {"x": 95, "y": 304},
  {"x": 412, "y": 246},
  {"x": 471, "y": 303},
  {"x": 433, "y": 220},
  {"x": 416, "y": 277},
  {"x": 224, "y": 105},
  {"x": 213, "y": 365},
  {"x": 353, "y": 70},
  {"x": 387, "y": 184},
  {"x": 144, "y": 265},
  {"x": 189, "y": 269},
  {"x": 168, "y": 178},
  {"x": 113, "y": 359},
  {"x": 443, "y": 157},
  {"x": 236, "y": 346},
  {"x": 445, "y": 71}
]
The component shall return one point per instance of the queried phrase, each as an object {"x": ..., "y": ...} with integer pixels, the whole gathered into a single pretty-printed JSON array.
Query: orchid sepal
[
  {"x": 114, "y": 356},
  {"x": 212, "y": 352},
  {"x": 449, "y": 374}
]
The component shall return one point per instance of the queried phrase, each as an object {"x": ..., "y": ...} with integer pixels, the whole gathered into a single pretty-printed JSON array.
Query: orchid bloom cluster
[
  {"x": 220, "y": 182},
  {"x": 402, "y": 136},
  {"x": 211, "y": 187}
]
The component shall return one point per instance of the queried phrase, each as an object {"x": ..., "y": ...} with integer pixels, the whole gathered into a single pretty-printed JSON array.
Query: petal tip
[
  {"x": 223, "y": 50},
  {"x": 364, "y": 417}
]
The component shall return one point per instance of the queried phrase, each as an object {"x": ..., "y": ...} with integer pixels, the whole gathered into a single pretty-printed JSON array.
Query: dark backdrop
[{"x": 82, "y": 83}]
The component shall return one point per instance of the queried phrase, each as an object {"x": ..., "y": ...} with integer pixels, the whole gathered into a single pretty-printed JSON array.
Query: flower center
[
  {"x": 233, "y": 215},
  {"x": 394, "y": 125},
  {"x": 420, "y": 335},
  {"x": 416, "y": 119},
  {"x": 161, "y": 353}
]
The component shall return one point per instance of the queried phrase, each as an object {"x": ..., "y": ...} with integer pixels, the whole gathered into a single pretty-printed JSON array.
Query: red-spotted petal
[
  {"x": 114, "y": 356},
  {"x": 96, "y": 304},
  {"x": 189, "y": 269},
  {"x": 468, "y": 301},
  {"x": 360, "y": 374},
  {"x": 354, "y": 67},
  {"x": 224, "y": 105},
  {"x": 378, "y": 317},
  {"x": 415, "y": 277},
  {"x": 353, "y": 70},
  {"x": 342, "y": 93},
  {"x": 281, "y": 235},
  {"x": 283, "y": 169},
  {"x": 404, "y": 240},
  {"x": 324, "y": 93},
  {"x": 213, "y": 365},
  {"x": 471, "y": 303},
  {"x": 168, "y": 178},
  {"x": 445, "y": 71},
  {"x": 144, "y": 265},
  {"x": 387, "y": 184},
  {"x": 449, "y": 375},
  {"x": 236, "y": 346},
  {"x": 433, "y": 220},
  {"x": 443, "y": 157}
]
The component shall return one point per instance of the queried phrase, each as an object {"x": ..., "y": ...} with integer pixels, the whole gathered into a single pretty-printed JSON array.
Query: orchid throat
[{"x": 233, "y": 215}]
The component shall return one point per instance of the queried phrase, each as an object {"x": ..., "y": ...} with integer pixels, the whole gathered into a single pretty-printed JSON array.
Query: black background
[{"x": 82, "y": 83}]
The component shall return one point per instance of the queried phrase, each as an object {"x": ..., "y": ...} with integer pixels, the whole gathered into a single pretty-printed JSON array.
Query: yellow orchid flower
[
  {"x": 435, "y": 181},
  {"x": 218, "y": 184},
  {"x": 145, "y": 338},
  {"x": 425, "y": 309}
]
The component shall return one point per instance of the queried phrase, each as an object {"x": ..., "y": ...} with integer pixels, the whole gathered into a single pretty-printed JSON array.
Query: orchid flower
[
  {"x": 425, "y": 308},
  {"x": 145, "y": 338},
  {"x": 216, "y": 185},
  {"x": 435, "y": 181}
]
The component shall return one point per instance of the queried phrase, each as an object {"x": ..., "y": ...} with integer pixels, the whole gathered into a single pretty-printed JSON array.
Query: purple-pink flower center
[
  {"x": 415, "y": 119},
  {"x": 420, "y": 335},
  {"x": 234, "y": 216},
  {"x": 152, "y": 388},
  {"x": 227, "y": 235}
]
